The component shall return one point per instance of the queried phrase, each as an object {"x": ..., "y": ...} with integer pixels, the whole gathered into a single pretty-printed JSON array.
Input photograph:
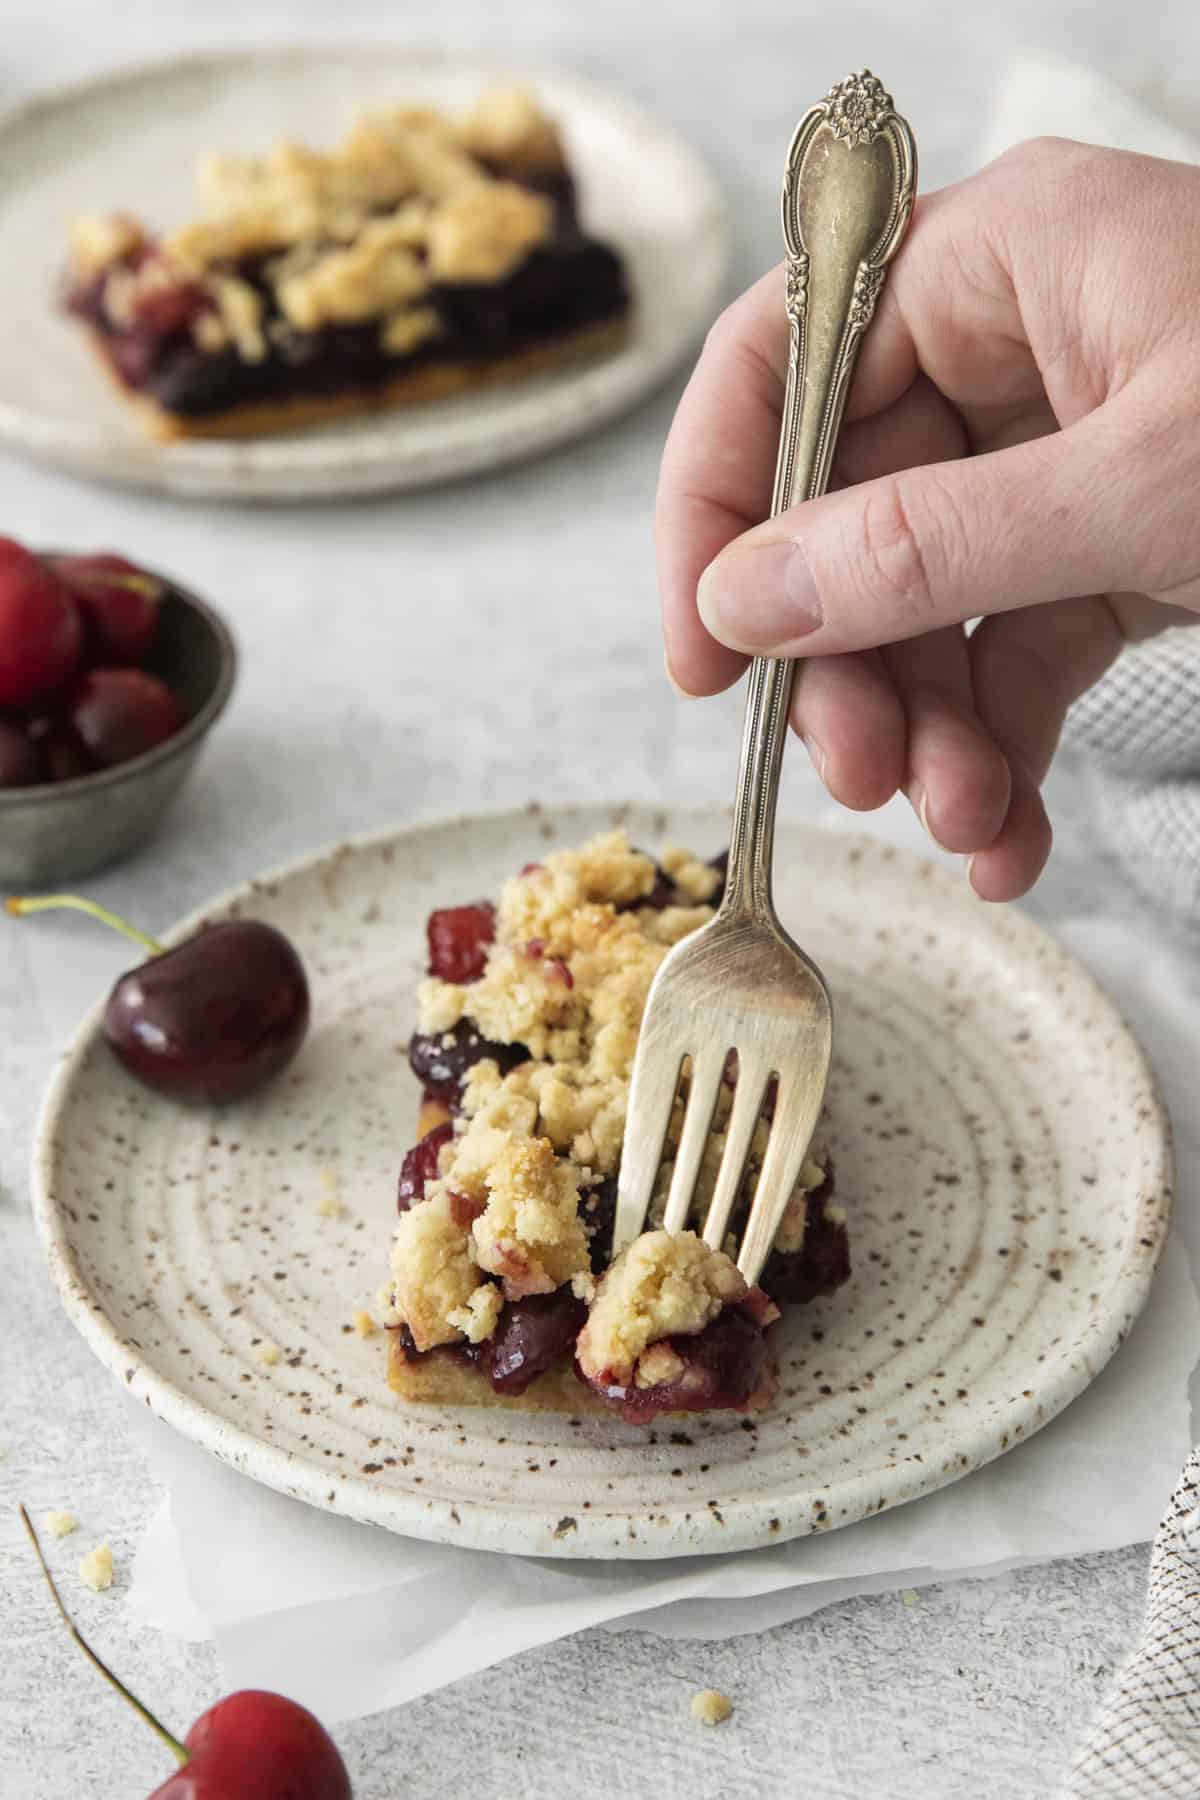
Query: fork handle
[{"x": 847, "y": 199}]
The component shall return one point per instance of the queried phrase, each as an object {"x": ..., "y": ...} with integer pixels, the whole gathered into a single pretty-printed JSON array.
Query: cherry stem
[
  {"x": 18, "y": 905},
  {"x": 177, "y": 1750}
]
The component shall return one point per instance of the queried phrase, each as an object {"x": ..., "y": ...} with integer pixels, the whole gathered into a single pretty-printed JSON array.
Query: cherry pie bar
[
  {"x": 502, "y": 1290},
  {"x": 424, "y": 256}
]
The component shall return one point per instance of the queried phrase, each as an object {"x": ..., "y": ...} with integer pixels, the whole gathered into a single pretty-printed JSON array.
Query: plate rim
[
  {"x": 289, "y": 467},
  {"x": 489, "y": 1525}
]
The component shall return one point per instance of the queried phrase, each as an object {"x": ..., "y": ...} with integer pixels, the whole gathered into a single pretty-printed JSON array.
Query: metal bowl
[{"x": 66, "y": 829}]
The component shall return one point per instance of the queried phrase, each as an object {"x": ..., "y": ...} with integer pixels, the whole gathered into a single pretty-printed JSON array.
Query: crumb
[
  {"x": 364, "y": 1324},
  {"x": 711, "y": 1708},
  {"x": 909, "y": 1597},
  {"x": 60, "y": 1524},
  {"x": 329, "y": 1206},
  {"x": 96, "y": 1568},
  {"x": 267, "y": 1352}
]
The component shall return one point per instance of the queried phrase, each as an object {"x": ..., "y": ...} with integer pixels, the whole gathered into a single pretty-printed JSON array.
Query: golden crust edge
[{"x": 410, "y": 387}]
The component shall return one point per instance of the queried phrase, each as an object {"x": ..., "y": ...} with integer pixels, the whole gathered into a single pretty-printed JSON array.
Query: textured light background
[{"x": 465, "y": 649}]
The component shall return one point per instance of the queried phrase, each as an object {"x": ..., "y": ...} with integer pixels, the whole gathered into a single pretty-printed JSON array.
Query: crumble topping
[
  {"x": 359, "y": 232},
  {"x": 479, "y": 1317},
  {"x": 709, "y": 1707},
  {"x": 96, "y": 1568},
  {"x": 435, "y": 1273},
  {"x": 267, "y": 1353},
  {"x": 483, "y": 233},
  {"x": 364, "y": 1324},
  {"x": 663, "y": 1285},
  {"x": 530, "y": 1232},
  {"x": 403, "y": 331},
  {"x": 97, "y": 240},
  {"x": 60, "y": 1524},
  {"x": 508, "y": 127}
]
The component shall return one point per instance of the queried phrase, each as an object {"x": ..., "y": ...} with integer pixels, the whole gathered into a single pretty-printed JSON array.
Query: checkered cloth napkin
[
  {"x": 1146, "y": 1741},
  {"x": 1140, "y": 729}
]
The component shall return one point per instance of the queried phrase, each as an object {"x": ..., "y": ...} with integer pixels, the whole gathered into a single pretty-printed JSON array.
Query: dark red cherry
[
  {"x": 41, "y": 637},
  {"x": 440, "y": 1060},
  {"x": 258, "y": 1746},
  {"x": 459, "y": 937},
  {"x": 121, "y": 713},
  {"x": 60, "y": 748},
  {"x": 20, "y": 764},
  {"x": 118, "y": 601},
  {"x": 210, "y": 1020},
  {"x": 214, "y": 1018}
]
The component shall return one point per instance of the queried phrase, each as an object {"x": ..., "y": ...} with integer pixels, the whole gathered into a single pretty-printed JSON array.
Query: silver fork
[{"x": 739, "y": 983}]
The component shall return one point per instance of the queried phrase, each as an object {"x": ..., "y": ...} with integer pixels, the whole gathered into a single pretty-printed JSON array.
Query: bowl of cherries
[{"x": 110, "y": 678}]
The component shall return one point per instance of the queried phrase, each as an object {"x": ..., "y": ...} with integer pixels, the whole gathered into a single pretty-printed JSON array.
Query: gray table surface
[{"x": 471, "y": 648}]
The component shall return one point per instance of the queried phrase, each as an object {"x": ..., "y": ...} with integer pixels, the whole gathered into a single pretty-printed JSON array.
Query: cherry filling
[
  {"x": 420, "y": 1166},
  {"x": 566, "y": 284},
  {"x": 459, "y": 938},
  {"x": 440, "y": 1060},
  {"x": 723, "y": 1366},
  {"x": 531, "y": 1336},
  {"x": 821, "y": 1264}
]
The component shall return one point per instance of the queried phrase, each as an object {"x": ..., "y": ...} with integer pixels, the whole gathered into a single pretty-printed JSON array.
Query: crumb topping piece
[
  {"x": 435, "y": 1273},
  {"x": 530, "y": 1233},
  {"x": 96, "y": 1568},
  {"x": 60, "y": 1524},
  {"x": 709, "y": 1707},
  {"x": 662, "y": 1285},
  {"x": 267, "y": 1353},
  {"x": 364, "y": 1324}
]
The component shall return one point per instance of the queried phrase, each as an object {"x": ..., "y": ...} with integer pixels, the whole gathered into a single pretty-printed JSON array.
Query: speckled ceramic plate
[
  {"x": 129, "y": 141},
  {"x": 1000, "y": 1149}
]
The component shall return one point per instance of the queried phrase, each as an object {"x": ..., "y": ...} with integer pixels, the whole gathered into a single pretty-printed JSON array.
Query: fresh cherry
[
  {"x": 61, "y": 748},
  {"x": 249, "y": 1746},
  {"x": 459, "y": 937},
  {"x": 41, "y": 637},
  {"x": 210, "y": 1020},
  {"x": 258, "y": 1746},
  {"x": 20, "y": 764},
  {"x": 119, "y": 604},
  {"x": 119, "y": 713}
]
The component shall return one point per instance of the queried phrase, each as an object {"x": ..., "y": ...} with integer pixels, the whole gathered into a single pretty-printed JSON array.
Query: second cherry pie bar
[
  {"x": 501, "y": 1290},
  {"x": 426, "y": 255}
]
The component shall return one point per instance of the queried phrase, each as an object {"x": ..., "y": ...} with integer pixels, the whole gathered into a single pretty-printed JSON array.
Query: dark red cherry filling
[
  {"x": 459, "y": 938},
  {"x": 420, "y": 1166},
  {"x": 531, "y": 1336},
  {"x": 723, "y": 1367},
  {"x": 440, "y": 1059}
]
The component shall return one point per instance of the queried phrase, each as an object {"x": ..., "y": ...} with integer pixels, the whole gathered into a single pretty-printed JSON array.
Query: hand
[{"x": 1022, "y": 443}]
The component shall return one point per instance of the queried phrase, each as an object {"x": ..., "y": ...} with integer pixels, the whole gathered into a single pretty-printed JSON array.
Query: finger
[
  {"x": 920, "y": 426},
  {"x": 1008, "y": 868},
  {"x": 957, "y": 777},
  {"x": 848, "y": 713},
  {"x": 1028, "y": 668},
  {"x": 1077, "y": 512}
]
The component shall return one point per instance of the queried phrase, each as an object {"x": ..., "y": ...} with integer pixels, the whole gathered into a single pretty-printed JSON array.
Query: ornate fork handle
[{"x": 847, "y": 198}]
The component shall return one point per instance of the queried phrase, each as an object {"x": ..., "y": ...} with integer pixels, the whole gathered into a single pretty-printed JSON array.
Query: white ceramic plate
[
  {"x": 128, "y": 141},
  {"x": 999, "y": 1146}
]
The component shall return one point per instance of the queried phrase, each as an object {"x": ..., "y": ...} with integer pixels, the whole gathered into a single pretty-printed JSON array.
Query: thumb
[{"x": 933, "y": 546}]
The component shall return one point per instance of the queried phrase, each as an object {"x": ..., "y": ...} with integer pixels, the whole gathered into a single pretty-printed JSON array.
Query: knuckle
[{"x": 901, "y": 554}]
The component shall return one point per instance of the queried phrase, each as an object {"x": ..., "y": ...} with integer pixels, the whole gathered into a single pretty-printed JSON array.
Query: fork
[{"x": 740, "y": 985}]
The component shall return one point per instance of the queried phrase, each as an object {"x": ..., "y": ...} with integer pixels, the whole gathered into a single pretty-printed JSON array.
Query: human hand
[{"x": 1022, "y": 444}]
